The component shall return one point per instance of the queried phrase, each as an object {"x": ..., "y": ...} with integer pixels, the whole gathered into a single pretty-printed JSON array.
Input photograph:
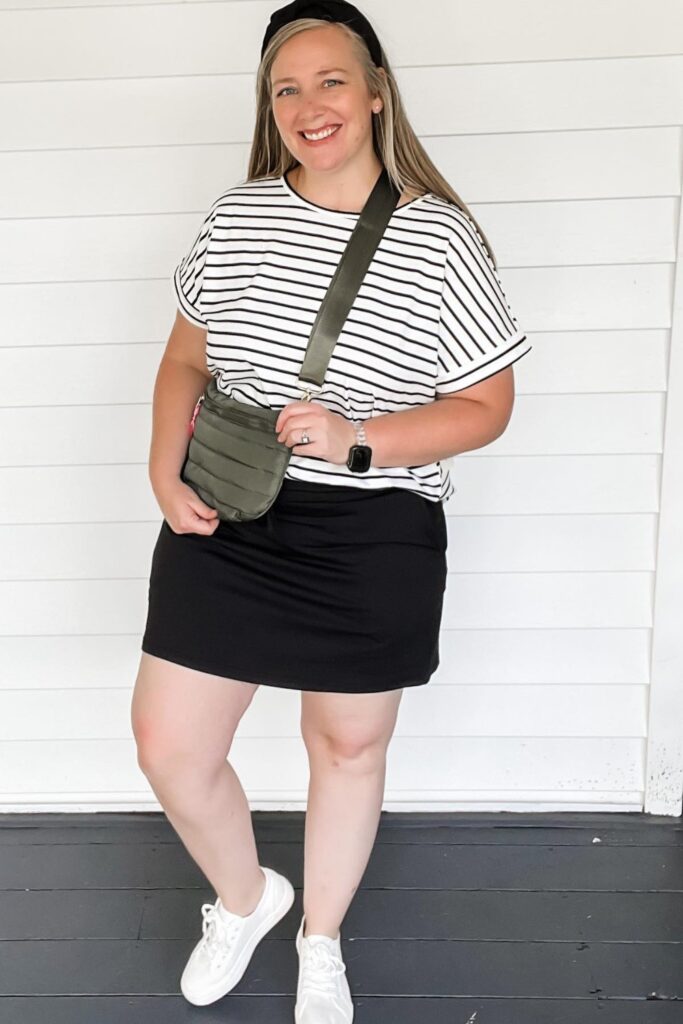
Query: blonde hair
[{"x": 395, "y": 143}]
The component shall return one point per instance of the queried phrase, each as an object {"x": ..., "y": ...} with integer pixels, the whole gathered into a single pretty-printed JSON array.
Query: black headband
[{"x": 329, "y": 10}]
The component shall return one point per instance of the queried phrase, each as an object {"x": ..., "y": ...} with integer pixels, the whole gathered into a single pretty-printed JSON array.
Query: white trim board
[{"x": 664, "y": 755}]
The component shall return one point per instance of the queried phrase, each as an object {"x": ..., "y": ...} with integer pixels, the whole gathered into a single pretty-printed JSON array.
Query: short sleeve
[
  {"x": 188, "y": 276},
  {"x": 478, "y": 333}
]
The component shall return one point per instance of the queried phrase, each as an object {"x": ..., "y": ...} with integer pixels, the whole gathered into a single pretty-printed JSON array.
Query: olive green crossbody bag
[{"x": 234, "y": 461}]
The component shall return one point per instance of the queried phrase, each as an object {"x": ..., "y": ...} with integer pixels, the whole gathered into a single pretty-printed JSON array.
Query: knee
[
  {"x": 351, "y": 750},
  {"x": 158, "y": 755},
  {"x": 167, "y": 758}
]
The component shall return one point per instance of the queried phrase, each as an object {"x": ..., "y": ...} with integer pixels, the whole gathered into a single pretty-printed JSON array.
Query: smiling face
[{"x": 318, "y": 88}]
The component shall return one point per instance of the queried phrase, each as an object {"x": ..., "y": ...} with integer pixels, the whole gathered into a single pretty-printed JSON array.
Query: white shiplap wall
[{"x": 560, "y": 125}]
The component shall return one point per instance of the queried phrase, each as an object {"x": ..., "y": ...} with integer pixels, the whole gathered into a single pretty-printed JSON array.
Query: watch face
[{"x": 359, "y": 458}]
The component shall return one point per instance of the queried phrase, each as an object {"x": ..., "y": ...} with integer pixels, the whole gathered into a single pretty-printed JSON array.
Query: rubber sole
[{"x": 226, "y": 985}]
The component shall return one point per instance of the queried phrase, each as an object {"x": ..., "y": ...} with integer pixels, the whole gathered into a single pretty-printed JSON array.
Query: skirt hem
[{"x": 282, "y": 682}]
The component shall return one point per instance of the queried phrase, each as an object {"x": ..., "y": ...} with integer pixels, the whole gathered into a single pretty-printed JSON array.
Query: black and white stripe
[{"x": 430, "y": 317}]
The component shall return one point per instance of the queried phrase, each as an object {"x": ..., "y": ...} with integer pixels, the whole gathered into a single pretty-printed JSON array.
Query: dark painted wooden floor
[{"x": 460, "y": 919}]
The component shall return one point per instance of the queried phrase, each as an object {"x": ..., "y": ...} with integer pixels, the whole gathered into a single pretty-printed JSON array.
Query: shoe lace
[
  {"x": 217, "y": 934},
  {"x": 320, "y": 968}
]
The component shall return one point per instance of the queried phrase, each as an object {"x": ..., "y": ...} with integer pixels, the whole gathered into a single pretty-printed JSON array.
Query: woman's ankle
[
  {"x": 248, "y": 900},
  {"x": 306, "y": 931}
]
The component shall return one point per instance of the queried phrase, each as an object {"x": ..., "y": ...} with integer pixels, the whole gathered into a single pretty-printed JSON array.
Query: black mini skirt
[{"x": 335, "y": 588}]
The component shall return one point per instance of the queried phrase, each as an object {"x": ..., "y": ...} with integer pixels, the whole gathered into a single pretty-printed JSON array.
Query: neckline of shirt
[{"x": 292, "y": 192}]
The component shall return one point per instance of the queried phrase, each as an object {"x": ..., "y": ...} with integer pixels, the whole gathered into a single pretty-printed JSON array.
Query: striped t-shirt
[{"x": 430, "y": 316}]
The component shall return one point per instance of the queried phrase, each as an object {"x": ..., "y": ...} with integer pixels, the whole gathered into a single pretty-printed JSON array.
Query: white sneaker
[
  {"x": 228, "y": 941},
  {"x": 322, "y": 994}
]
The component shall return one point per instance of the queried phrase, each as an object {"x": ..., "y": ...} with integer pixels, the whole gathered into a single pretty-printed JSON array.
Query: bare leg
[
  {"x": 184, "y": 722},
  {"x": 346, "y": 736}
]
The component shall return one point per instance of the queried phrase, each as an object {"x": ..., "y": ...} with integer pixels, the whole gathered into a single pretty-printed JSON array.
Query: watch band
[{"x": 360, "y": 432}]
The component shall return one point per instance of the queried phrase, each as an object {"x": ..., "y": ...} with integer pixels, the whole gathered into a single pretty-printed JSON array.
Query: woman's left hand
[{"x": 331, "y": 434}]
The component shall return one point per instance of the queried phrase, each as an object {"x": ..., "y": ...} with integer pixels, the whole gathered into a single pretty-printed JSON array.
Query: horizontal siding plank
[
  {"x": 547, "y": 543},
  {"x": 566, "y": 484},
  {"x": 544, "y": 165},
  {"x": 212, "y": 37},
  {"x": 582, "y": 424},
  {"x": 517, "y": 167},
  {"x": 471, "y": 601},
  {"x": 457, "y": 709},
  {"x": 484, "y": 485},
  {"x": 475, "y": 544},
  {"x": 463, "y": 765},
  {"x": 563, "y": 234},
  {"x": 564, "y": 363},
  {"x": 584, "y": 361},
  {"x": 626, "y": 298},
  {"x": 546, "y": 95},
  {"x": 97, "y": 433},
  {"x": 549, "y": 657},
  {"x": 582, "y": 298},
  {"x": 493, "y": 600},
  {"x": 63, "y": 375}
]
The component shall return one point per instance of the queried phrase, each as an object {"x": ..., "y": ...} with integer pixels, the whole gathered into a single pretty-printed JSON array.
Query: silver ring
[{"x": 305, "y": 439}]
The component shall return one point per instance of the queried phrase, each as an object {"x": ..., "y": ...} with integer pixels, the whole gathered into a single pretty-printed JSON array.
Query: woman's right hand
[{"x": 184, "y": 510}]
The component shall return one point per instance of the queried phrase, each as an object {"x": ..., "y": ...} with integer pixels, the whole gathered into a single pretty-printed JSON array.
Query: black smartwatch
[{"x": 360, "y": 455}]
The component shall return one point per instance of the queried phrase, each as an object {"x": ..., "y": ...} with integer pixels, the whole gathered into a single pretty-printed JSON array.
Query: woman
[{"x": 337, "y": 590}]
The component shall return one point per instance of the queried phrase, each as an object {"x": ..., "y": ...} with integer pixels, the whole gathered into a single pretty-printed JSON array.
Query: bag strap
[{"x": 346, "y": 281}]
